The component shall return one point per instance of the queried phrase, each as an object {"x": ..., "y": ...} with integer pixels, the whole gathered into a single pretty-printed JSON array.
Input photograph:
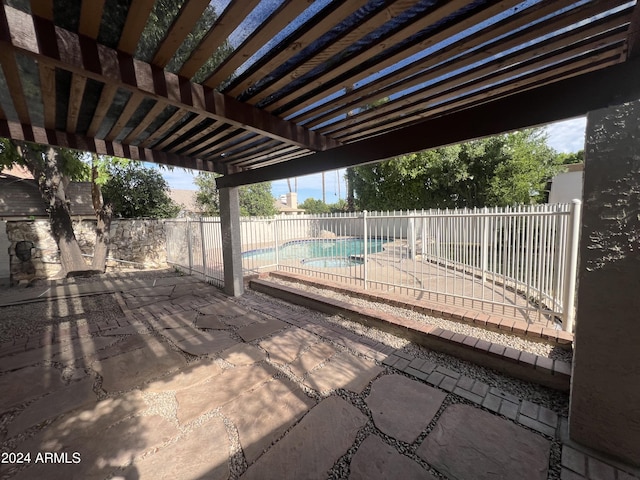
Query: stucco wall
[{"x": 136, "y": 243}]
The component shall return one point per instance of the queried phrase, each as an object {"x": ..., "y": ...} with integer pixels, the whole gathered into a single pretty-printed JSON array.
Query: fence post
[
  {"x": 189, "y": 247},
  {"x": 204, "y": 252},
  {"x": 571, "y": 267},
  {"x": 365, "y": 244},
  {"x": 412, "y": 237},
  {"x": 275, "y": 236},
  {"x": 485, "y": 244}
]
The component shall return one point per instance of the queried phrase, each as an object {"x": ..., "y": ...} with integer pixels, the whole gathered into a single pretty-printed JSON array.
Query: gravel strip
[{"x": 538, "y": 348}]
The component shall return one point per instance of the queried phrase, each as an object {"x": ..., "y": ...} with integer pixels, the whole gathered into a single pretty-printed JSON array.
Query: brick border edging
[
  {"x": 524, "y": 365},
  {"x": 533, "y": 331}
]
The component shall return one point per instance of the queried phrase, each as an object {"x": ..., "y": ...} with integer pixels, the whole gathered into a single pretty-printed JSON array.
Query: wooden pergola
[{"x": 263, "y": 90}]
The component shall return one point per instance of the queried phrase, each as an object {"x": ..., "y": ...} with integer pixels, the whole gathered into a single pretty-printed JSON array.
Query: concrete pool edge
[{"x": 523, "y": 365}]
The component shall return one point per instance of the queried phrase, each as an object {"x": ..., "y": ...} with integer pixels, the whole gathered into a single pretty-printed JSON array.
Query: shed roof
[{"x": 260, "y": 90}]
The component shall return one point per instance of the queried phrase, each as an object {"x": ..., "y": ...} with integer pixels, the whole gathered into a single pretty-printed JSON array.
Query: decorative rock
[
  {"x": 470, "y": 443},
  {"x": 311, "y": 448},
  {"x": 258, "y": 426},
  {"x": 375, "y": 460},
  {"x": 402, "y": 408},
  {"x": 243, "y": 354},
  {"x": 343, "y": 371}
]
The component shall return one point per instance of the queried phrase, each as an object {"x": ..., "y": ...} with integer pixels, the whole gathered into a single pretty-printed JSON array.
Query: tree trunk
[
  {"x": 52, "y": 184},
  {"x": 104, "y": 213}
]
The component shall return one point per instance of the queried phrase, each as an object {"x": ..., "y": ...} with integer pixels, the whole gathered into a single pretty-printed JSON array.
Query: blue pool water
[{"x": 320, "y": 253}]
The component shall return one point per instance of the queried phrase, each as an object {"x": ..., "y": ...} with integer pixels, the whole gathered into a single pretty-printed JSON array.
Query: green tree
[
  {"x": 569, "y": 158},
  {"x": 255, "y": 200},
  {"x": 502, "y": 170},
  {"x": 136, "y": 191},
  {"x": 313, "y": 206}
]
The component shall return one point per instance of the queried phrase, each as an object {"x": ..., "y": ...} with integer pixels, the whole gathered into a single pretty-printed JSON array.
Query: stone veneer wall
[{"x": 139, "y": 241}]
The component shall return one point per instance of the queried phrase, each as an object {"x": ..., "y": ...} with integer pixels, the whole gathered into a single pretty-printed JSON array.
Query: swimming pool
[{"x": 332, "y": 252}]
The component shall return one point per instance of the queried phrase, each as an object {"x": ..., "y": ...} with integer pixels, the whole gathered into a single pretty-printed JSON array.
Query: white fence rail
[{"x": 518, "y": 261}]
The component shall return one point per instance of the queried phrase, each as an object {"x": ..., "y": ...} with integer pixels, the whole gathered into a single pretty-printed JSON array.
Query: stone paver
[
  {"x": 134, "y": 368},
  {"x": 188, "y": 376},
  {"x": 223, "y": 309},
  {"x": 136, "y": 328},
  {"x": 177, "y": 320},
  {"x": 201, "y": 398},
  {"x": 375, "y": 460},
  {"x": 211, "y": 442},
  {"x": 258, "y": 426},
  {"x": 68, "y": 398},
  {"x": 402, "y": 408},
  {"x": 197, "y": 342},
  {"x": 211, "y": 322},
  {"x": 310, "y": 359},
  {"x": 260, "y": 329},
  {"x": 243, "y": 354},
  {"x": 161, "y": 291},
  {"x": 100, "y": 450},
  {"x": 343, "y": 371},
  {"x": 311, "y": 448},
  {"x": 59, "y": 352},
  {"x": 286, "y": 346},
  {"x": 26, "y": 384},
  {"x": 493, "y": 447}
]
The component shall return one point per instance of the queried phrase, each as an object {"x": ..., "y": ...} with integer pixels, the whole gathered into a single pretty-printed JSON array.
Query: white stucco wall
[{"x": 566, "y": 186}]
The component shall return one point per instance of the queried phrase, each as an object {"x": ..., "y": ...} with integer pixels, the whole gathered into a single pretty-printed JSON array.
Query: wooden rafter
[{"x": 86, "y": 57}]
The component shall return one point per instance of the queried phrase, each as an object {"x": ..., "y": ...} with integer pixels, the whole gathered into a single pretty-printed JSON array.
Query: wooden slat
[
  {"x": 599, "y": 32},
  {"x": 297, "y": 44},
  {"x": 218, "y": 144},
  {"x": 144, "y": 123},
  {"x": 181, "y": 27},
  {"x": 450, "y": 55},
  {"x": 560, "y": 100},
  {"x": 48, "y": 94},
  {"x": 90, "y": 18},
  {"x": 162, "y": 130},
  {"x": 376, "y": 89},
  {"x": 11, "y": 75},
  {"x": 42, "y": 8},
  {"x": 186, "y": 126},
  {"x": 456, "y": 99},
  {"x": 286, "y": 13},
  {"x": 76, "y": 93},
  {"x": 196, "y": 141},
  {"x": 120, "y": 70},
  {"x": 134, "y": 102},
  {"x": 633, "y": 41},
  {"x": 226, "y": 23},
  {"x": 134, "y": 25},
  {"x": 443, "y": 11},
  {"x": 69, "y": 140},
  {"x": 106, "y": 97}
]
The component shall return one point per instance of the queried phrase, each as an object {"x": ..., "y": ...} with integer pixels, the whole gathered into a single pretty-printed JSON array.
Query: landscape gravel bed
[{"x": 519, "y": 343}]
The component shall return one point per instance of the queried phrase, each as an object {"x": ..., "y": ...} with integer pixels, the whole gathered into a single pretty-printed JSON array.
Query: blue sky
[{"x": 566, "y": 136}]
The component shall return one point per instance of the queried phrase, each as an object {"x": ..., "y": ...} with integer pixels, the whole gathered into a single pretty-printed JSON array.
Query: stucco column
[
  {"x": 231, "y": 242},
  {"x": 605, "y": 394}
]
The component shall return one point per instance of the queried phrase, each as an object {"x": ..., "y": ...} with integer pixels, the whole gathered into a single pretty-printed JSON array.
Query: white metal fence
[{"x": 516, "y": 261}]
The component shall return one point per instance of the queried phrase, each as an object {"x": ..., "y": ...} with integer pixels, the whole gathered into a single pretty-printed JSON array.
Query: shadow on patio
[{"x": 158, "y": 375}]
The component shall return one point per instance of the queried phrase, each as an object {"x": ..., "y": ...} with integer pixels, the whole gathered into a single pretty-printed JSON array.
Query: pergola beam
[
  {"x": 41, "y": 39},
  {"x": 28, "y": 133},
  {"x": 556, "y": 101}
]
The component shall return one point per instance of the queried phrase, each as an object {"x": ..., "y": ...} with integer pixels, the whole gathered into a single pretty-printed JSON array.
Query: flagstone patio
[{"x": 190, "y": 384}]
